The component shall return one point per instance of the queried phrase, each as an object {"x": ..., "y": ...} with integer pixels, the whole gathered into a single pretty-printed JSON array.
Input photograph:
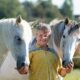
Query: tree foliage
[
  {"x": 46, "y": 10},
  {"x": 10, "y": 8},
  {"x": 43, "y": 9},
  {"x": 28, "y": 7},
  {"x": 66, "y": 9}
]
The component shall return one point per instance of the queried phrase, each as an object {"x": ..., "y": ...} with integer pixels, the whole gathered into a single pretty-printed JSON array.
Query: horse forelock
[{"x": 55, "y": 21}]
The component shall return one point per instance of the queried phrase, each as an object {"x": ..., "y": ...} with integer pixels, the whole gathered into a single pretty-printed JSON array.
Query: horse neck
[
  {"x": 54, "y": 42},
  {"x": 57, "y": 32}
]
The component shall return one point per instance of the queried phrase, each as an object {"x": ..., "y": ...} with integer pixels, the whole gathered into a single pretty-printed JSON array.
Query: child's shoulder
[
  {"x": 52, "y": 51},
  {"x": 32, "y": 46}
]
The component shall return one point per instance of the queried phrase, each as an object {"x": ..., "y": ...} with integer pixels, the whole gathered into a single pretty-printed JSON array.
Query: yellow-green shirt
[{"x": 44, "y": 64}]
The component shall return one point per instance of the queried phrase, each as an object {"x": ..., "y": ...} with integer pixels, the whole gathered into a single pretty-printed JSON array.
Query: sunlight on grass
[{"x": 74, "y": 75}]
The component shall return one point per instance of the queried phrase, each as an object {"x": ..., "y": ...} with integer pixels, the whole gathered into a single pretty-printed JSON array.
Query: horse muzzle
[
  {"x": 23, "y": 69},
  {"x": 65, "y": 63}
]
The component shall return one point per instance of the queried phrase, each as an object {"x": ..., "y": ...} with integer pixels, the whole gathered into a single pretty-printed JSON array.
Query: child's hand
[
  {"x": 62, "y": 72},
  {"x": 23, "y": 70},
  {"x": 69, "y": 67}
]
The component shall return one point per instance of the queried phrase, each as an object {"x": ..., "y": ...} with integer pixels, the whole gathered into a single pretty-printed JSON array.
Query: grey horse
[{"x": 63, "y": 37}]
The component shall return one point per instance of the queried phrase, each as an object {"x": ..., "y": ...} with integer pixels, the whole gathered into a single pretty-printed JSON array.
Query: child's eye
[{"x": 40, "y": 35}]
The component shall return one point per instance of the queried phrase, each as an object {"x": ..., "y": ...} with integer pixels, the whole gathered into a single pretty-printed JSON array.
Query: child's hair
[{"x": 44, "y": 27}]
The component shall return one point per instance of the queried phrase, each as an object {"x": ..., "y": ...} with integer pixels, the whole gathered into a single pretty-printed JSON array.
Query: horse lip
[
  {"x": 23, "y": 65},
  {"x": 23, "y": 70}
]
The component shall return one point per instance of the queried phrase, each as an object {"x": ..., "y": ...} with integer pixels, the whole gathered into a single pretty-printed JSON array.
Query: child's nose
[{"x": 44, "y": 37}]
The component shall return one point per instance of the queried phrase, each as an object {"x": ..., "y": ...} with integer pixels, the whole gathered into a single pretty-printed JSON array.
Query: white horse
[
  {"x": 65, "y": 39},
  {"x": 15, "y": 36}
]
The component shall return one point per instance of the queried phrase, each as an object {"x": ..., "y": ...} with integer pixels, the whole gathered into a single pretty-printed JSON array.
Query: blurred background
[{"x": 46, "y": 10}]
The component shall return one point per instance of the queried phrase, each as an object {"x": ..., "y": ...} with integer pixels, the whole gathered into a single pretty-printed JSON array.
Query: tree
[
  {"x": 28, "y": 6},
  {"x": 66, "y": 9},
  {"x": 43, "y": 9},
  {"x": 10, "y": 8},
  {"x": 46, "y": 10}
]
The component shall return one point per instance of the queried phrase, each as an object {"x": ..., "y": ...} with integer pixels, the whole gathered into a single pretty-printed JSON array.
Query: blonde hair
[{"x": 44, "y": 27}]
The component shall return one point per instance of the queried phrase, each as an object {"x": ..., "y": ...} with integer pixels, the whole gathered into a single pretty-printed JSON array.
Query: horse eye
[
  {"x": 18, "y": 39},
  {"x": 63, "y": 36}
]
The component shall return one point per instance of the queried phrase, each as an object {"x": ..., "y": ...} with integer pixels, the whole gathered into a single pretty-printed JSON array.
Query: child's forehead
[
  {"x": 43, "y": 31},
  {"x": 44, "y": 26}
]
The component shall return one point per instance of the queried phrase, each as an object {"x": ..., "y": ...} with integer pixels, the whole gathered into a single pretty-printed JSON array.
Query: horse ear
[
  {"x": 18, "y": 20},
  {"x": 66, "y": 21}
]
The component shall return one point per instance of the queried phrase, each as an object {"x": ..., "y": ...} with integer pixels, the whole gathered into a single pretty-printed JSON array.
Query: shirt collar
[{"x": 38, "y": 46}]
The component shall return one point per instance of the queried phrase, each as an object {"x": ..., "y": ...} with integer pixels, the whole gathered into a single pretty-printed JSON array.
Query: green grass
[{"x": 74, "y": 75}]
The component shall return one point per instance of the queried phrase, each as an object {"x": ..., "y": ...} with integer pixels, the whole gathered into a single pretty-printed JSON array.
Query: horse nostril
[
  {"x": 23, "y": 64},
  {"x": 19, "y": 66},
  {"x": 63, "y": 63}
]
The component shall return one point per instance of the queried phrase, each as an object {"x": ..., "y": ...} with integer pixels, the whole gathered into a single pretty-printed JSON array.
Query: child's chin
[{"x": 43, "y": 45}]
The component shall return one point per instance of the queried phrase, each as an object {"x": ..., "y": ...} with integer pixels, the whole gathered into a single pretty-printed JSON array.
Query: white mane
[{"x": 55, "y": 21}]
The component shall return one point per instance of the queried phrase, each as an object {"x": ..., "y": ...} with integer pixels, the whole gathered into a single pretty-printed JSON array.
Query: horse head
[
  {"x": 17, "y": 40},
  {"x": 69, "y": 41}
]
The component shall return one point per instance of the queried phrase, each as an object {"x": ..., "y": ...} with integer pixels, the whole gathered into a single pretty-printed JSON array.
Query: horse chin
[
  {"x": 23, "y": 70},
  {"x": 65, "y": 63}
]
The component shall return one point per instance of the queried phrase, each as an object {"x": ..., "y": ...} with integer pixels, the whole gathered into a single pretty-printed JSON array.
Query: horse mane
[
  {"x": 57, "y": 27},
  {"x": 55, "y": 21},
  {"x": 7, "y": 20}
]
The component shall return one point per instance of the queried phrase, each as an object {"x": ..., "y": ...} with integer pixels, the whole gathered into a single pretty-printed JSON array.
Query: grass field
[{"x": 74, "y": 75}]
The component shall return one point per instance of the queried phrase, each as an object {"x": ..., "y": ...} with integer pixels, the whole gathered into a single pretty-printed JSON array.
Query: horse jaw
[{"x": 68, "y": 50}]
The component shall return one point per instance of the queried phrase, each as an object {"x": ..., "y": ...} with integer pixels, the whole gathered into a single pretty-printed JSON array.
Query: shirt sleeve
[{"x": 58, "y": 63}]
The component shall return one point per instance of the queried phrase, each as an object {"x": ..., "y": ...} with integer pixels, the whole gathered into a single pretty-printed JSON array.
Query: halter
[{"x": 73, "y": 28}]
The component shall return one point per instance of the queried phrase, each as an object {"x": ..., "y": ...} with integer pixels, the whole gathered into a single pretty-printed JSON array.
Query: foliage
[
  {"x": 28, "y": 7},
  {"x": 76, "y": 61},
  {"x": 66, "y": 9},
  {"x": 46, "y": 10},
  {"x": 43, "y": 9},
  {"x": 10, "y": 8}
]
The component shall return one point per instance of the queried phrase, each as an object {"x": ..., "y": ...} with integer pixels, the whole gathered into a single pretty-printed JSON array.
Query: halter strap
[{"x": 73, "y": 28}]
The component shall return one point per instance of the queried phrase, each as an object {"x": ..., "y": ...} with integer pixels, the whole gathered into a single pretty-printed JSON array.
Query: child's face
[{"x": 42, "y": 38}]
